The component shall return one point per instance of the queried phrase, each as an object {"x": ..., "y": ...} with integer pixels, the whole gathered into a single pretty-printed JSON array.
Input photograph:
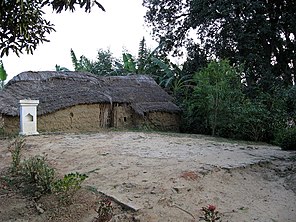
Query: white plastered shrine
[{"x": 28, "y": 117}]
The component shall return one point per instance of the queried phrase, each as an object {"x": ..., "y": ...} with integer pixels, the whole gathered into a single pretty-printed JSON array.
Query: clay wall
[
  {"x": 164, "y": 121},
  {"x": 92, "y": 117},
  {"x": 122, "y": 116},
  {"x": 1, "y": 121},
  {"x": 95, "y": 117},
  {"x": 159, "y": 121},
  {"x": 11, "y": 124}
]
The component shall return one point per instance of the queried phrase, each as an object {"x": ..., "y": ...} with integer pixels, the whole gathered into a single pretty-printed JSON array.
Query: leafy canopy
[
  {"x": 104, "y": 65},
  {"x": 23, "y": 27},
  {"x": 258, "y": 34}
]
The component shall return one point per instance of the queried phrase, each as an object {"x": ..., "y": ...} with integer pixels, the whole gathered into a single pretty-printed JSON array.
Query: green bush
[
  {"x": 286, "y": 138},
  {"x": 66, "y": 188},
  {"x": 252, "y": 121},
  {"x": 291, "y": 100},
  {"x": 15, "y": 149},
  {"x": 37, "y": 177},
  {"x": 36, "y": 172},
  {"x": 210, "y": 108}
]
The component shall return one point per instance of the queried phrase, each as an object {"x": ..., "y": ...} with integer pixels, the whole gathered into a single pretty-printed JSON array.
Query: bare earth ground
[{"x": 160, "y": 177}]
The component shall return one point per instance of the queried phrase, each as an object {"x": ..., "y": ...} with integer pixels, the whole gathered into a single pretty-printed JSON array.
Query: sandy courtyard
[{"x": 170, "y": 177}]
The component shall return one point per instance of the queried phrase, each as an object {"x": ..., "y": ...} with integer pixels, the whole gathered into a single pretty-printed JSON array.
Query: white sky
[{"x": 121, "y": 26}]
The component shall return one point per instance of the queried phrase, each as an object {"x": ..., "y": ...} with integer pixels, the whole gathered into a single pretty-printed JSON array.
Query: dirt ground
[{"x": 159, "y": 177}]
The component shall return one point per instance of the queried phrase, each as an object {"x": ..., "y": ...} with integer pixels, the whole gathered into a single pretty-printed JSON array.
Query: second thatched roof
[{"x": 59, "y": 90}]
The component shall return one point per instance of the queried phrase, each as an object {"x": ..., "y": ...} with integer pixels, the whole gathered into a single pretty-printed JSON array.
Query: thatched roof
[{"x": 59, "y": 90}]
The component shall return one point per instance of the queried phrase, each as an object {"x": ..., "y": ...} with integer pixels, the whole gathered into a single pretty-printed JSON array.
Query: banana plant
[
  {"x": 174, "y": 79},
  {"x": 129, "y": 64},
  {"x": 3, "y": 75}
]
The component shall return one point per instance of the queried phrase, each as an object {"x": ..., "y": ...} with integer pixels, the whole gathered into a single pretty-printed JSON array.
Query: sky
[{"x": 120, "y": 27}]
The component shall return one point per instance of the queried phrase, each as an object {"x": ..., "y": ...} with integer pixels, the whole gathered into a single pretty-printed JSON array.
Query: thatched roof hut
[{"x": 60, "y": 90}]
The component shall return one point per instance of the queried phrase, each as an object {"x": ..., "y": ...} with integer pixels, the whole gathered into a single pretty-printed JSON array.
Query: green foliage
[
  {"x": 104, "y": 65},
  {"x": 140, "y": 65},
  {"x": 257, "y": 119},
  {"x": 216, "y": 94},
  {"x": 23, "y": 27},
  {"x": 66, "y": 188},
  {"x": 15, "y": 149},
  {"x": 218, "y": 106},
  {"x": 173, "y": 79},
  {"x": 260, "y": 35},
  {"x": 35, "y": 177},
  {"x": 252, "y": 121},
  {"x": 59, "y": 6},
  {"x": 286, "y": 138},
  {"x": 257, "y": 36},
  {"x": 148, "y": 62},
  {"x": 3, "y": 75},
  {"x": 143, "y": 54},
  {"x": 59, "y": 68},
  {"x": 168, "y": 74},
  {"x": 129, "y": 63},
  {"x": 83, "y": 64},
  {"x": 75, "y": 61},
  {"x": 291, "y": 102},
  {"x": 37, "y": 173}
]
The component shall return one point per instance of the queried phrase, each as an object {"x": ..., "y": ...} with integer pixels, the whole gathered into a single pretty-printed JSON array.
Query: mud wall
[
  {"x": 11, "y": 124},
  {"x": 78, "y": 118},
  {"x": 95, "y": 117},
  {"x": 122, "y": 116},
  {"x": 164, "y": 121},
  {"x": 1, "y": 121},
  {"x": 159, "y": 121}
]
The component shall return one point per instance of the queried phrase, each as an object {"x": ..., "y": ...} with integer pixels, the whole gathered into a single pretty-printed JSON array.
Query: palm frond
[{"x": 74, "y": 60}]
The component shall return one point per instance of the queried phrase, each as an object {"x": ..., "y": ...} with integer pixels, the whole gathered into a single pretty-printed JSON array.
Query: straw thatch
[{"x": 59, "y": 90}]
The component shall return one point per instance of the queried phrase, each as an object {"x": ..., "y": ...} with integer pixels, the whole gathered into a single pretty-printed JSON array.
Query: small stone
[
  {"x": 136, "y": 219},
  {"x": 39, "y": 209}
]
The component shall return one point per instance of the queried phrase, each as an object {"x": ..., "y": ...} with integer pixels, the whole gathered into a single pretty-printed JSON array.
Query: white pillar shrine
[{"x": 28, "y": 117}]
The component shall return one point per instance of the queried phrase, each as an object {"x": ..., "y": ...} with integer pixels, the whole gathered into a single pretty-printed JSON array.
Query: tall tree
[
  {"x": 259, "y": 34},
  {"x": 22, "y": 26},
  {"x": 143, "y": 54}
]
